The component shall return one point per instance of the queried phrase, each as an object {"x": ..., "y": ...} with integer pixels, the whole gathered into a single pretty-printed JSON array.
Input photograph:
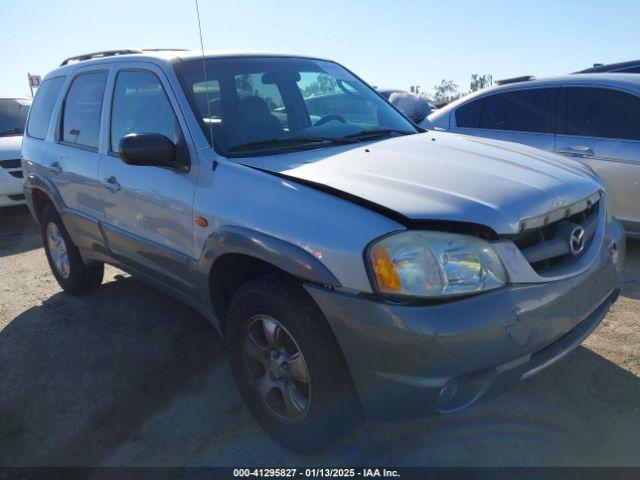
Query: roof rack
[
  {"x": 106, "y": 53},
  {"x": 164, "y": 50},
  {"x": 113, "y": 53},
  {"x": 523, "y": 78}
]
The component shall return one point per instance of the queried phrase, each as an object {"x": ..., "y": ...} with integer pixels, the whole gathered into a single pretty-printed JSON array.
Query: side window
[
  {"x": 252, "y": 85},
  {"x": 81, "y": 110},
  {"x": 140, "y": 105},
  {"x": 468, "y": 116},
  {"x": 42, "y": 107},
  {"x": 520, "y": 111},
  {"x": 604, "y": 113}
]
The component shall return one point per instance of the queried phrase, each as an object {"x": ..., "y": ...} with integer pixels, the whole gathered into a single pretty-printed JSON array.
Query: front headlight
[{"x": 434, "y": 264}]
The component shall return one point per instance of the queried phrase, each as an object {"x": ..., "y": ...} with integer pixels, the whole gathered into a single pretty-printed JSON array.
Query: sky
[{"x": 390, "y": 44}]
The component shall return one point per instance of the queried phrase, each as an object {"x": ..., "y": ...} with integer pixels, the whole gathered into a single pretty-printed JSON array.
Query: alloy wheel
[
  {"x": 58, "y": 250},
  {"x": 276, "y": 368}
]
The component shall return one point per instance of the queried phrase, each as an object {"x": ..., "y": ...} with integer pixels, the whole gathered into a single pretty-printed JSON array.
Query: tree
[
  {"x": 446, "y": 92},
  {"x": 478, "y": 82},
  {"x": 321, "y": 85}
]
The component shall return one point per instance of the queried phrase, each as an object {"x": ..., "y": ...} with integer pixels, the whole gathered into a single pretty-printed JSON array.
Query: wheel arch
[
  {"x": 40, "y": 192},
  {"x": 234, "y": 255}
]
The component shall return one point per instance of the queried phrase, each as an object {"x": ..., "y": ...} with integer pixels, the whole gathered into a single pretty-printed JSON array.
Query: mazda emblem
[{"x": 576, "y": 240}]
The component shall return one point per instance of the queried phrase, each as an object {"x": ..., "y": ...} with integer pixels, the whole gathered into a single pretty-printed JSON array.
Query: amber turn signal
[
  {"x": 201, "y": 221},
  {"x": 385, "y": 271}
]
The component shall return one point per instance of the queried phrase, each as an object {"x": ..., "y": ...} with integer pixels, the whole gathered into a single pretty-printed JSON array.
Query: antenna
[{"x": 206, "y": 82}]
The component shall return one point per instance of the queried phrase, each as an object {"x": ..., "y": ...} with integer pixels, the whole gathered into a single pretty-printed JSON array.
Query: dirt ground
[{"x": 128, "y": 376}]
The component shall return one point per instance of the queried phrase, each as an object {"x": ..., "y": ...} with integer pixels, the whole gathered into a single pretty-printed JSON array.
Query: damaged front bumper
[{"x": 420, "y": 360}]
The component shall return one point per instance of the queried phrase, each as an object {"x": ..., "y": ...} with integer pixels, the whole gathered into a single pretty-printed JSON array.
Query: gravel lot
[{"x": 127, "y": 376}]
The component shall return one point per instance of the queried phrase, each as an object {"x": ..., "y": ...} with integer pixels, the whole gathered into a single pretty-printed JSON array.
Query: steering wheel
[{"x": 329, "y": 118}]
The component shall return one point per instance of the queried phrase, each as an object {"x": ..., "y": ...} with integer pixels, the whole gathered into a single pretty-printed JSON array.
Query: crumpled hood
[
  {"x": 445, "y": 177},
  {"x": 10, "y": 147}
]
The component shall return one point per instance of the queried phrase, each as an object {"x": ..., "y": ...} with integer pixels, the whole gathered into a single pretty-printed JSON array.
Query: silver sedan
[{"x": 594, "y": 118}]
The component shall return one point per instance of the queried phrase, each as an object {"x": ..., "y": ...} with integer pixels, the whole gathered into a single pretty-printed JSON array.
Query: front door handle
[
  {"x": 111, "y": 183},
  {"x": 55, "y": 168},
  {"x": 578, "y": 151}
]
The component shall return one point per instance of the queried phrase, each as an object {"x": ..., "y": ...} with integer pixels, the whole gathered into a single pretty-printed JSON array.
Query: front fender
[{"x": 286, "y": 256}]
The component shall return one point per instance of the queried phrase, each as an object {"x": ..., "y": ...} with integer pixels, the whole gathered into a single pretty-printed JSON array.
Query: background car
[
  {"x": 13, "y": 116},
  {"x": 593, "y": 118},
  {"x": 416, "y": 107},
  {"x": 632, "y": 66}
]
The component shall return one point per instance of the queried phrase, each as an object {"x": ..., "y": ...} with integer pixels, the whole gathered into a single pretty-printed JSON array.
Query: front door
[
  {"x": 521, "y": 116},
  {"x": 148, "y": 210},
  {"x": 601, "y": 127}
]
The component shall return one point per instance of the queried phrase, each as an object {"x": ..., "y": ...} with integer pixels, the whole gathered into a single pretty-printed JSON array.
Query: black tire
[
  {"x": 333, "y": 407},
  {"x": 81, "y": 278}
]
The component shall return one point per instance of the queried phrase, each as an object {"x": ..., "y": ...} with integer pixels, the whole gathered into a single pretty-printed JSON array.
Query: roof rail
[
  {"x": 106, "y": 53},
  {"x": 506, "y": 81},
  {"x": 164, "y": 50}
]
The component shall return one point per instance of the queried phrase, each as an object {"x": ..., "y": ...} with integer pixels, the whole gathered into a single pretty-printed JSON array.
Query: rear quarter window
[{"x": 42, "y": 108}]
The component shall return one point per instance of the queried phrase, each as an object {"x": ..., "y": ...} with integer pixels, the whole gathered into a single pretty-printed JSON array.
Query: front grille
[
  {"x": 17, "y": 174},
  {"x": 548, "y": 247},
  {"x": 16, "y": 198},
  {"x": 10, "y": 163}
]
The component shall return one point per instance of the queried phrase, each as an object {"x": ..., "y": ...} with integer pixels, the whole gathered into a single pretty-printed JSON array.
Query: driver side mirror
[{"x": 149, "y": 149}]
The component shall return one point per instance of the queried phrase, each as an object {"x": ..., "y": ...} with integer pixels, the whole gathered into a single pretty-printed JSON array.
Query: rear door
[
  {"x": 74, "y": 156},
  {"x": 601, "y": 126},
  {"x": 148, "y": 210},
  {"x": 522, "y": 116}
]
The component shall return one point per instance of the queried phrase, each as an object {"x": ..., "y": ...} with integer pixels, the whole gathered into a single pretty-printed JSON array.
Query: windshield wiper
[
  {"x": 288, "y": 142},
  {"x": 12, "y": 131},
  {"x": 380, "y": 132}
]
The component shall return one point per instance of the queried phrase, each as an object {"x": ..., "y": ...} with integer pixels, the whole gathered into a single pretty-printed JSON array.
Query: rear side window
[
  {"x": 82, "y": 107},
  {"x": 521, "y": 111},
  {"x": 604, "y": 113},
  {"x": 468, "y": 116},
  {"x": 42, "y": 107},
  {"x": 140, "y": 105}
]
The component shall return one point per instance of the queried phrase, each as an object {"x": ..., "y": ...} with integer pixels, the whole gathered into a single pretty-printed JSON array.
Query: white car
[
  {"x": 415, "y": 107},
  {"x": 13, "y": 115}
]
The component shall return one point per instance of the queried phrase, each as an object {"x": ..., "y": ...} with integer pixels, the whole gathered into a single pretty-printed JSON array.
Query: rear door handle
[
  {"x": 55, "y": 168},
  {"x": 111, "y": 183},
  {"x": 578, "y": 151}
]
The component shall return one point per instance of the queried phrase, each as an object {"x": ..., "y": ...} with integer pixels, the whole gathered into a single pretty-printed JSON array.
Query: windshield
[
  {"x": 264, "y": 105},
  {"x": 13, "y": 115}
]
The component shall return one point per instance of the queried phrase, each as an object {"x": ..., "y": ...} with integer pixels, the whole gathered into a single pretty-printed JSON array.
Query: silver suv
[{"x": 352, "y": 262}]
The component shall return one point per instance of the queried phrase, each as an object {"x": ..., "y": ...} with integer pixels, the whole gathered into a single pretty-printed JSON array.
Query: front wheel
[
  {"x": 288, "y": 366},
  {"x": 73, "y": 275}
]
